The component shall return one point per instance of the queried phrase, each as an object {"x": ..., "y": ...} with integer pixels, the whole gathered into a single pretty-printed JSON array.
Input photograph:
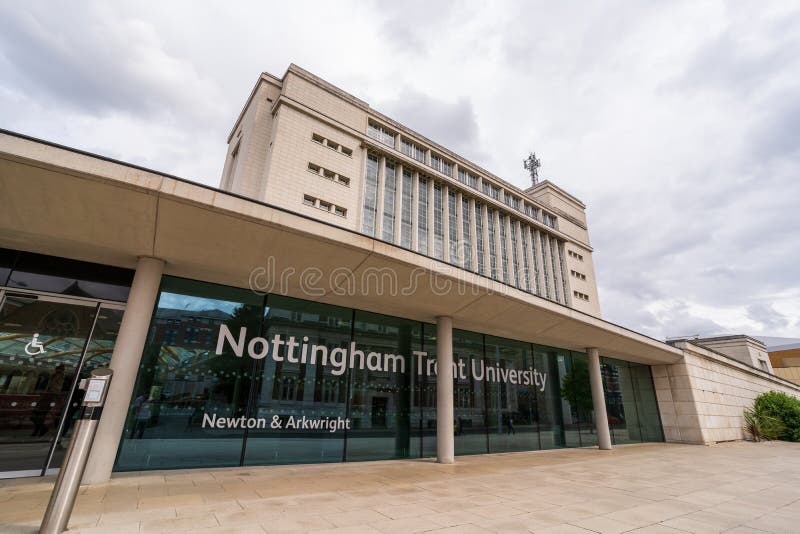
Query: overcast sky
[{"x": 678, "y": 124}]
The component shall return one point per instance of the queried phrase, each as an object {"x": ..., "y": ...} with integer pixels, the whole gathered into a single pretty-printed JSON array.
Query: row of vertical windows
[
  {"x": 441, "y": 165},
  {"x": 381, "y": 134},
  {"x": 413, "y": 151},
  {"x": 504, "y": 264},
  {"x": 387, "y": 137}
]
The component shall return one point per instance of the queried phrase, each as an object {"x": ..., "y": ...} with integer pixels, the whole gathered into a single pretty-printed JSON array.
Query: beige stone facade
[
  {"x": 702, "y": 398},
  {"x": 304, "y": 145}
]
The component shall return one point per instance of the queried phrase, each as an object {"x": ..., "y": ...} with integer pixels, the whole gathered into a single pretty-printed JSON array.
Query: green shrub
[
  {"x": 761, "y": 426},
  {"x": 782, "y": 407}
]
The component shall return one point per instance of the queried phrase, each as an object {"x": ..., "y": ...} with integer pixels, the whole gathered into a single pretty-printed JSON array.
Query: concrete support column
[
  {"x": 598, "y": 400},
  {"x": 445, "y": 449},
  {"x": 125, "y": 363}
]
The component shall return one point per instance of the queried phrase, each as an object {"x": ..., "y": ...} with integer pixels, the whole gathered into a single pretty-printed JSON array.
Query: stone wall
[{"x": 702, "y": 398}]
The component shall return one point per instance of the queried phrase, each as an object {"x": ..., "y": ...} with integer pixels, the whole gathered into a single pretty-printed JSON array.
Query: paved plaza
[{"x": 659, "y": 488}]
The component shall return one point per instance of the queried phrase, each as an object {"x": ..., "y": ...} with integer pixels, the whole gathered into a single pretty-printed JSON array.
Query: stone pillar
[
  {"x": 445, "y": 449},
  {"x": 598, "y": 400},
  {"x": 125, "y": 363}
]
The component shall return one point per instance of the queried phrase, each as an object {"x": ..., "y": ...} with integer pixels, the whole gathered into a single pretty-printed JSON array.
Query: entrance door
[{"x": 47, "y": 344}]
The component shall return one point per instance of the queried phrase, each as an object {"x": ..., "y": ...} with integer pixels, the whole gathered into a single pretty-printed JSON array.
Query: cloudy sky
[{"x": 677, "y": 123}]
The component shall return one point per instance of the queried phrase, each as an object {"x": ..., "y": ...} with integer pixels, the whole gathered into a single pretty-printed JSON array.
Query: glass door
[{"x": 46, "y": 345}]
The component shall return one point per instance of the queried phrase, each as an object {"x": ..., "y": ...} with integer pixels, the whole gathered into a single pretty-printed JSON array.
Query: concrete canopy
[{"x": 66, "y": 203}]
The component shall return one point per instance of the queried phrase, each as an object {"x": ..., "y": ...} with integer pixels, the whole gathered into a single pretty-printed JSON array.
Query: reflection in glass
[
  {"x": 380, "y": 400},
  {"x": 184, "y": 387},
  {"x": 469, "y": 395},
  {"x": 293, "y": 390},
  {"x": 41, "y": 342}
]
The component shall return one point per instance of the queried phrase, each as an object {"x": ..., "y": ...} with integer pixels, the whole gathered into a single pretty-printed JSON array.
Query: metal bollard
[{"x": 62, "y": 500}]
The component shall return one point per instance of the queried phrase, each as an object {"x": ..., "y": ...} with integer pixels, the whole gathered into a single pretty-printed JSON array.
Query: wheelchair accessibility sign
[{"x": 35, "y": 347}]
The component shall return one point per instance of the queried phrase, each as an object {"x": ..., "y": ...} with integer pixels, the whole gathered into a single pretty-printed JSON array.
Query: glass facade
[
  {"x": 232, "y": 378},
  {"x": 452, "y": 229},
  {"x": 438, "y": 222}
]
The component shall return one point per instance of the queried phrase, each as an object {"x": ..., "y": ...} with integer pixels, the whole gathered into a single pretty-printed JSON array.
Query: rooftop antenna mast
[{"x": 532, "y": 165}]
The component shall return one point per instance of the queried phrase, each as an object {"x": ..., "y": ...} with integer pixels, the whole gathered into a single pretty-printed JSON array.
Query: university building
[{"x": 304, "y": 310}]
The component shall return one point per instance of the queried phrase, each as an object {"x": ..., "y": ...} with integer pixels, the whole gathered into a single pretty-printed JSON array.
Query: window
[
  {"x": 545, "y": 267},
  {"x": 411, "y": 150},
  {"x": 581, "y": 296},
  {"x": 492, "y": 243},
  {"x": 466, "y": 231},
  {"x": 370, "y": 196},
  {"x": 323, "y": 205},
  {"x": 389, "y": 193},
  {"x": 531, "y": 212},
  {"x": 510, "y": 200},
  {"x": 333, "y": 145},
  {"x": 452, "y": 224},
  {"x": 381, "y": 133},
  {"x": 422, "y": 216},
  {"x": 576, "y": 274},
  {"x": 549, "y": 220},
  {"x": 441, "y": 165},
  {"x": 329, "y": 174},
  {"x": 515, "y": 255},
  {"x": 406, "y": 209},
  {"x": 504, "y": 251},
  {"x": 479, "y": 214},
  {"x": 526, "y": 273},
  {"x": 438, "y": 222},
  {"x": 491, "y": 190},
  {"x": 554, "y": 260},
  {"x": 575, "y": 255},
  {"x": 467, "y": 178}
]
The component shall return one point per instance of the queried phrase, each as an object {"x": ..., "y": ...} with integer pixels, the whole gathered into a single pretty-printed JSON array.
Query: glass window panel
[
  {"x": 310, "y": 391},
  {"x": 438, "y": 222},
  {"x": 7, "y": 260},
  {"x": 188, "y": 401},
  {"x": 646, "y": 403},
  {"x": 406, "y": 213},
  {"x": 422, "y": 217},
  {"x": 479, "y": 218},
  {"x": 380, "y": 400},
  {"x": 511, "y": 413},
  {"x": 466, "y": 232},
  {"x": 370, "y": 195},
  {"x": 581, "y": 393},
  {"x": 423, "y": 419},
  {"x": 70, "y": 277},
  {"x": 389, "y": 194},
  {"x": 469, "y": 395},
  {"x": 452, "y": 228},
  {"x": 549, "y": 401}
]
